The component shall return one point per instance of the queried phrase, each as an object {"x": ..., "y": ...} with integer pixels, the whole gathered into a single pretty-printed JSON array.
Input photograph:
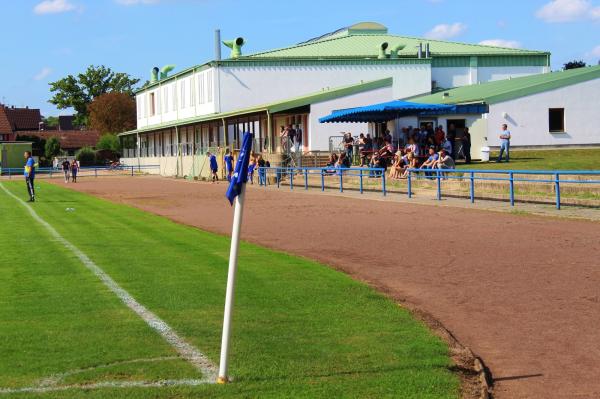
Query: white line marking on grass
[
  {"x": 187, "y": 351},
  {"x": 107, "y": 384}
]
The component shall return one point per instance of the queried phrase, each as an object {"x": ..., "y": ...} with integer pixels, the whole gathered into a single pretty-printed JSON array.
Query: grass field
[
  {"x": 300, "y": 329},
  {"x": 565, "y": 159}
]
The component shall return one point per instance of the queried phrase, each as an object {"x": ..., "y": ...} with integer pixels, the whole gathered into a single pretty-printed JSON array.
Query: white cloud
[
  {"x": 53, "y": 7},
  {"x": 135, "y": 2},
  {"x": 446, "y": 31},
  {"x": 557, "y": 11},
  {"x": 501, "y": 43},
  {"x": 43, "y": 73},
  {"x": 594, "y": 53}
]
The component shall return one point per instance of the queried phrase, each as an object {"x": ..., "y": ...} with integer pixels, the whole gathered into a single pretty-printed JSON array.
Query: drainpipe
[
  {"x": 225, "y": 141},
  {"x": 139, "y": 148}
]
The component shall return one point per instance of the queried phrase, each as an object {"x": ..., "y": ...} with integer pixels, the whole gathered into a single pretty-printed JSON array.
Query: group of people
[
  {"x": 256, "y": 161},
  {"x": 70, "y": 170},
  {"x": 291, "y": 138}
]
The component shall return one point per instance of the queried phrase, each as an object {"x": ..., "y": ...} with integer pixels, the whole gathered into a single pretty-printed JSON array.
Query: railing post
[
  {"x": 322, "y": 180},
  {"x": 306, "y": 179},
  {"x": 341, "y": 180},
  {"x": 439, "y": 185},
  {"x": 96, "y": 172},
  {"x": 9, "y": 175},
  {"x": 291, "y": 179},
  {"x": 278, "y": 176},
  {"x": 512, "y": 188},
  {"x": 132, "y": 171},
  {"x": 383, "y": 183},
  {"x": 472, "y": 187},
  {"x": 361, "y": 181},
  {"x": 409, "y": 183},
  {"x": 557, "y": 189}
]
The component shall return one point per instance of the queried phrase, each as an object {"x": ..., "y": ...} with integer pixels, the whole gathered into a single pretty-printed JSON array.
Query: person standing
[
  {"x": 29, "y": 175},
  {"x": 451, "y": 138},
  {"x": 349, "y": 145},
  {"x": 262, "y": 173},
  {"x": 466, "y": 140},
  {"x": 74, "y": 170},
  {"x": 504, "y": 143},
  {"x": 214, "y": 167},
  {"x": 228, "y": 164},
  {"x": 66, "y": 167}
]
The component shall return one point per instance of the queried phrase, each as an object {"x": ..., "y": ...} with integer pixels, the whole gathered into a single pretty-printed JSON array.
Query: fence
[
  {"x": 554, "y": 178},
  {"x": 91, "y": 171},
  {"x": 279, "y": 175}
]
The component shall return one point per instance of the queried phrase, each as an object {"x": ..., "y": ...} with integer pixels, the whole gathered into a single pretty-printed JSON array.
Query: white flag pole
[{"x": 229, "y": 297}]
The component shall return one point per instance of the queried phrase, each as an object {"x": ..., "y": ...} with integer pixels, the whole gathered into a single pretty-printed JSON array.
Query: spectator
[
  {"x": 74, "y": 170},
  {"x": 445, "y": 161},
  {"x": 439, "y": 136},
  {"x": 362, "y": 142},
  {"x": 262, "y": 173},
  {"x": 397, "y": 166},
  {"x": 466, "y": 145},
  {"x": 504, "y": 143},
  {"x": 291, "y": 134},
  {"x": 298, "y": 142},
  {"x": 431, "y": 160},
  {"x": 66, "y": 167},
  {"x": 349, "y": 145},
  {"x": 376, "y": 162},
  {"x": 251, "y": 167},
  {"x": 447, "y": 146},
  {"x": 412, "y": 164},
  {"x": 332, "y": 159},
  {"x": 413, "y": 147}
]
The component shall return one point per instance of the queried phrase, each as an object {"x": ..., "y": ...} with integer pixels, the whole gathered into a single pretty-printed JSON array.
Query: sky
[{"x": 43, "y": 41}]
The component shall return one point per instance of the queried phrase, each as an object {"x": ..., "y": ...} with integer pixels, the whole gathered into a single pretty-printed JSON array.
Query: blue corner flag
[{"x": 240, "y": 174}]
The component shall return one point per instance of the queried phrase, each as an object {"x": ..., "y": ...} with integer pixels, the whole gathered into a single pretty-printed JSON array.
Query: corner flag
[
  {"x": 240, "y": 174},
  {"x": 235, "y": 193}
]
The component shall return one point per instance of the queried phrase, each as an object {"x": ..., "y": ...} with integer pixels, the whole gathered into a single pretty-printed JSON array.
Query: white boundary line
[
  {"x": 187, "y": 351},
  {"x": 107, "y": 384}
]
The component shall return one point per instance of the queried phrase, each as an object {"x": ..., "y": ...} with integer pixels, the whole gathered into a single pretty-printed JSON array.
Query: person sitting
[
  {"x": 376, "y": 162},
  {"x": 332, "y": 159},
  {"x": 447, "y": 145},
  {"x": 412, "y": 164},
  {"x": 397, "y": 166},
  {"x": 413, "y": 147},
  {"x": 445, "y": 161},
  {"x": 387, "y": 151},
  {"x": 431, "y": 160}
]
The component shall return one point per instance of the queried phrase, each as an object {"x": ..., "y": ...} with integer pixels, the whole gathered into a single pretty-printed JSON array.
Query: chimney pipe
[
  {"x": 217, "y": 44},
  {"x": 427, "y": 53},
  {"x": 420, "y": 51}
]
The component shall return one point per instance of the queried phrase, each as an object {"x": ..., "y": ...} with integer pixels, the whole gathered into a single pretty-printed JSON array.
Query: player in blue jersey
[
  {"x": 214, "y": 167},
  {"x": 29, "y": 173},
  {"x": 228, "y": 164}
]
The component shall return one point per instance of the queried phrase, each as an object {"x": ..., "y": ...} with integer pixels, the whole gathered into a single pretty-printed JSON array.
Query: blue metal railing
[
  {"x": 329, "y": 173},
  {"x": 85, "y": 171},
  {"x": 511, "y": 176},
  {"x": 555, "y": 177}
]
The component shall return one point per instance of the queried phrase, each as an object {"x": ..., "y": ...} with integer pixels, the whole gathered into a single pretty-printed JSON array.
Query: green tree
[
  {"x": 50, "y": 121},
  {"x": 79, "y": 91},
  {"x": 86, "y": 156},
  {"x": 52, "y": 148},
  {"x": 112, "y": 113},
  {"x": 574, "y": 64},
  {"x": 109, "y": 142}
]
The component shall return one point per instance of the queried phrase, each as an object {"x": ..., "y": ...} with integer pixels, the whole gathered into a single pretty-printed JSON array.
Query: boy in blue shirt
[
  {"x": 504, "y": 143},
  {"x": 214, "y": 167},
  {"x": 29, "y": 173},
  {"x": 228, "y": 164}
]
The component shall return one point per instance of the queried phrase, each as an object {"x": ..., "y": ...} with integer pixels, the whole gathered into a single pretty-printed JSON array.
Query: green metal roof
[
  {"x": 278, "y": 106},
  {"x": 361, "y": 45},
  {"x": 508, "y": 89}
]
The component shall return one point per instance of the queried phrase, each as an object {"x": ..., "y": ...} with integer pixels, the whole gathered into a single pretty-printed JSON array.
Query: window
[
  {"x": 152, "y": 104},
  {"x": 182, "y": 99},
  {"x": 165, "y": 100},
  {"x": 556, "y": 119},
  {"x": 174, "y": 96},
  {"x": 192, "y": 93}
]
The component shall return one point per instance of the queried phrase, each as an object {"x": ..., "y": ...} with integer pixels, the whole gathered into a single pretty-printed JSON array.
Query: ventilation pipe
[
  {"x": 420, "y": 50},
  {"x": 218, "y": 45},
  {"x": 235, "y": 46},
  {"x": 382, "y": 47},
  {"x": 427, "y": 53},
  {"x": 154, "y": 75},
  {"x": 164, "y": 71},
  {"x": 395, "y": 49}
]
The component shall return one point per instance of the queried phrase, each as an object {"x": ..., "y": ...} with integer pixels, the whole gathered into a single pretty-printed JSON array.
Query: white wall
[
  {"x": 451, "y": 77},
  {"x": 527, "y": 117},
  {"x": 486, "y": 74},
  {"x": 318, "y": 133},
  {"x": 243, "y": 87}
]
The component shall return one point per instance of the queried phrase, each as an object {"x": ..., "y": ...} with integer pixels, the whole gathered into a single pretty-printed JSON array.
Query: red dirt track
[{"x": 522, "y": 292}]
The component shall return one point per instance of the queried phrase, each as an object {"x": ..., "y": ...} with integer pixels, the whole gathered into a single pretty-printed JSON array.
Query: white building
[{"x": 211, "y": 104}]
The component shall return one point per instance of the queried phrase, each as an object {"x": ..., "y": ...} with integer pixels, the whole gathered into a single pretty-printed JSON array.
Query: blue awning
[{"x": 387, "y": 111}]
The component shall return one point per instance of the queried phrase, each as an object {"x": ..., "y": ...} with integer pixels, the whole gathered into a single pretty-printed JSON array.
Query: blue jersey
[
  {"x": 229, "y": 162},
  {"x": 213, "y": 163},
  {"x": 29, "y": 168}
]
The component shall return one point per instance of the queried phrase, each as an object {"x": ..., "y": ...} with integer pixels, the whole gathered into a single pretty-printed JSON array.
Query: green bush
[
  {"x": 109, "y": 142},
  {"x": 86, "y": 156},
  {"x": 52, "y": 148}
]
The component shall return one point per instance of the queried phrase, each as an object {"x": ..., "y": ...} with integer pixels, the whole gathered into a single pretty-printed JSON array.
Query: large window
[
  {"x": 556, "y": 119},
  {"x": 152, "y": 104}
]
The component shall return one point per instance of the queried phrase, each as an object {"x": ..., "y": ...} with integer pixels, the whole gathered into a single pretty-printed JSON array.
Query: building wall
[
  {"x": 243, "y": 87},
  {"x": 319, "y": 133},
  {"x": 11, "y": 154},
  {"x": 448, "y": 77},
  {"x": 527, "y": 117}
]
